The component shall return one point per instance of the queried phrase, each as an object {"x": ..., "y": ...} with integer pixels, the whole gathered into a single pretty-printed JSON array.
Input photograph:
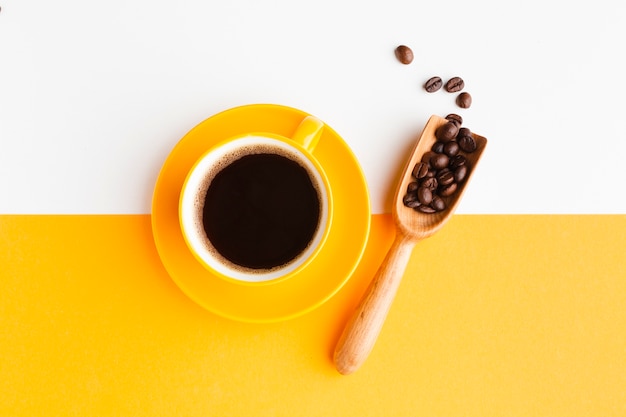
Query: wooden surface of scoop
[{"x": 363, "y": 328}]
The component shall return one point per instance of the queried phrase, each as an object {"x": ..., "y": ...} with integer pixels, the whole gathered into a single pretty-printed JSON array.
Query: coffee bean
[
  {"x": 460, "y": 173},
  {"x": 427, "y": 155},
  {"x": 467, "y": 143},
  {"x": 424, "y": 195},
  {"x": 447, "y": 190},
  {"x": 433, "y": 84},
  {"x": 455, "y": 118},
  {"x": 446, "y": 132},
  {"x": 445, "y": 177},
  {"x": 439, "y": 161},
  {"x": 412, "y": 187},
  {"x": 451, "y": 148},
  {"x": 426, "y": 209},
  {"x": 430, "y": 183},
  {"x": 463, "y": 131},
  {"x": 414, "y": 204},
  {"x": 438, "y": 147},
  {"x": 457, "y": 161},
  {"x": 408, "y": 197},
  {"x": 464, "y": 100},
  {"x": 410, "y": 200},
  {"x": 454, "y": 84},
  {"x": 404, "y": 54},
  {"x": 420, "y": 170},
  {"x": 438, "y": 204}
]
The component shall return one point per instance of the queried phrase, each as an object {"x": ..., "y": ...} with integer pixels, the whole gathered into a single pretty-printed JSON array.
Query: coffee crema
[{"x": 261, "y": 210}]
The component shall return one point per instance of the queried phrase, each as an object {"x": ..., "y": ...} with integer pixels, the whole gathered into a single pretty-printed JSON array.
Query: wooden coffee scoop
[{"x": 364, "y": 326}]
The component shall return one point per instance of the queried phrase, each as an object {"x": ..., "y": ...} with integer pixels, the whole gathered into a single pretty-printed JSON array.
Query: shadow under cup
[{"x": 256, "y": 209}]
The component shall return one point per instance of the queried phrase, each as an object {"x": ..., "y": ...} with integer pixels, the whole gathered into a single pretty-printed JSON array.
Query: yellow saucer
[{"x": 284, "y": 299}]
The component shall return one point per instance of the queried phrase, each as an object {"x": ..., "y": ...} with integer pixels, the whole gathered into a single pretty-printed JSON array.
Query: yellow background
[{"x": 497, "y": 315}]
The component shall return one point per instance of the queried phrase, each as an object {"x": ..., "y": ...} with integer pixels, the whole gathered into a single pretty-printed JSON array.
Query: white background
[{"x": 94, "y": 95}]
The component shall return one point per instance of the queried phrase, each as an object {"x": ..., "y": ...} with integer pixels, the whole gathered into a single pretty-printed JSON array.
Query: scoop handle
[{"x": 363, "y": 328}]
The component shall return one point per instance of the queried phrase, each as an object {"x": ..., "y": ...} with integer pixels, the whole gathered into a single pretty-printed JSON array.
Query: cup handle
[{"x": 308, "y": 133}]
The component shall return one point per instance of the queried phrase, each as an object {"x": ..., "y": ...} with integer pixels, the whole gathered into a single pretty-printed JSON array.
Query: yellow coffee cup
[{"x": 257, "y": 208}]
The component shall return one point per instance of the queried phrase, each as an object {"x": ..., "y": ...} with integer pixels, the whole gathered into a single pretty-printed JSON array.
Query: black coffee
[{"x": 261, "y": 211}]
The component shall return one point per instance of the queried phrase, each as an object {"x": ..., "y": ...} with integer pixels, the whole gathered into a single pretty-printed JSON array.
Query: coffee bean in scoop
[
  {"x": 442, "y": 168},
  {"x": 446, "y": 132}
]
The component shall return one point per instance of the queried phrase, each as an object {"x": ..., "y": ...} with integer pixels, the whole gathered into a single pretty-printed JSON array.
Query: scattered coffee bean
[
  {"x": 442, "y": 168},
  {"x": 455, "y": 118},
  {"x": 454, "y": 84},
  {"x": 404, "y": 54},
  {"x": 433, "y": 84},
  {"x": 464, "y": 100}
]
